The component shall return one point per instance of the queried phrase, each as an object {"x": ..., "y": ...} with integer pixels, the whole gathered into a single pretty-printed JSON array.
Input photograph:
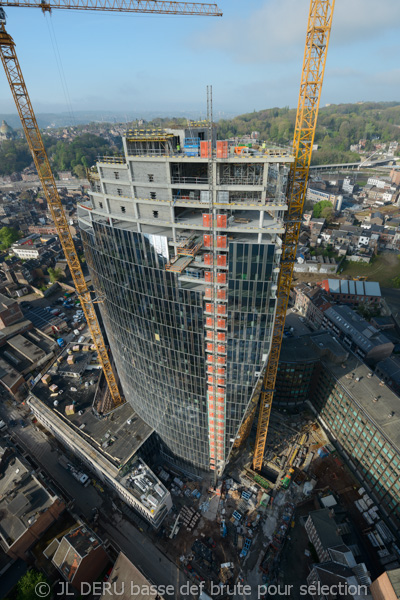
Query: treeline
[
  {"x": 339, "y": 126},
  {"x": 14, "y": 156},
  {"x": 64, "y": 155},
  {"x": 79, "y": 154}
]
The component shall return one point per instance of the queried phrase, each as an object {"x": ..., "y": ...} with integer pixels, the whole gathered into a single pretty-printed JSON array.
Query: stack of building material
[
  {"x": 53, "y": 388},
  {"x": 189, "y": 517},
  {"x": 46, "y": 379},
  {"x": 70, "y": 360}
]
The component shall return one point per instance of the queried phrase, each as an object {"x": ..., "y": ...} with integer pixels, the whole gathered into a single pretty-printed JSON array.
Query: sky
[{"x": 252, "y": 57}]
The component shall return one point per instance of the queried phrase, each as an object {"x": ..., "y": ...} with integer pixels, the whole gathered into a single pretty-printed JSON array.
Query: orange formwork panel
[
  {"x": 221, "y": 277},
  {"x": 204, "y": 149},
  {"x": 210, "y": 320},
  {"x": 221, "y": 323},
  {"x": 222, "y": 149},
  {"x": 207, "y": 241},
  {"x": 221, "y": 336},
  {"x": 221, "y": 381},
  {"x": 209, "y": 293},
  {"x": 221, "y": 348},
  {"x": 220, "y": 371},
  {"x": 209, "y": 307},
  {"x": 210, "y": 369},
  {"x": 222, "y": 220},
  {"x": 221, "y": 360},
  {"x": 210, "y": 335},
  {"x": 221, "y": 294},
  {"x": 207, "y": 220},
  {"x": 221, "y": 309},
  {"x": 210, "y": 347},
  {"x": 222, "y": 241},
  {"x": 221, "y": 260},
  {"x": 208, "y": 259},
  {"x": 208, "y": 276}
]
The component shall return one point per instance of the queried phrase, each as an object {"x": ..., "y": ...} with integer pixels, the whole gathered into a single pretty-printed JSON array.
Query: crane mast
[
  {"x": 35, "y": 142},
  {"x": 317, "y": 40}
]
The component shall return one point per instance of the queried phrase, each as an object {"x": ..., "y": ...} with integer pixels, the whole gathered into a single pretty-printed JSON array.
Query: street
[{"x": 124, "y": 536}]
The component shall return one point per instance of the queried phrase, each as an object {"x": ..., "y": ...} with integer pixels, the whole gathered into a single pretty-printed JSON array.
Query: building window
[
  {"x": 151, "y": 177},
  {"x": 116, "y": 174},
  {"x": 153, "y": 195},
  {"x": 123, "y": 209},
  {"x": 100, "y": 204},
  {"x": 119, "y": 191},
  {"x": 155, "y": 214}
]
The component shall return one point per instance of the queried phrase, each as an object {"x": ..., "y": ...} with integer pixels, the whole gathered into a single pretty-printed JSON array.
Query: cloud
[{"x": 276, "y": 31}]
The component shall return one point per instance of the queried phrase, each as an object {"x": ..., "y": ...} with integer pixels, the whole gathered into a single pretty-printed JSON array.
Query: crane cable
[{"x": 60, "y": 68}]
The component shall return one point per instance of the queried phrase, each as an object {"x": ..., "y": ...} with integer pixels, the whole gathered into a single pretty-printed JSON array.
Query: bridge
[{"x": 354, "y": 166}]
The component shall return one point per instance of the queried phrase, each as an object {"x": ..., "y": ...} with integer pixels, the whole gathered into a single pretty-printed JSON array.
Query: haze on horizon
[{"x": 252, "y": 56}]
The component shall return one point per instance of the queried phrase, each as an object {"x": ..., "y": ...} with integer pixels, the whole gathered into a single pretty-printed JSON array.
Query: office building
[{"x": 182, "y": 237}]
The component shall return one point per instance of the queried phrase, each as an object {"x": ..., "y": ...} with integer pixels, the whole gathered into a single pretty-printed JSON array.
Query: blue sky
[{"x": 252, "y": 56}]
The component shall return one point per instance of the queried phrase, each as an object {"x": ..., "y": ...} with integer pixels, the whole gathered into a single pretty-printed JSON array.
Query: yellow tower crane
[
  {"x": 35, "y": 142},
  {"x": 317, "y": 40}
]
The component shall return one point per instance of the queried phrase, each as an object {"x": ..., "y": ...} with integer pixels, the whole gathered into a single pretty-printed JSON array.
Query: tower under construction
[{"x": 183, "y": 239}]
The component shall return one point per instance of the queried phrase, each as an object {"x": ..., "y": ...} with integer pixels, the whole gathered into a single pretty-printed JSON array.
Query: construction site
[{"x": 190, "y": 243}]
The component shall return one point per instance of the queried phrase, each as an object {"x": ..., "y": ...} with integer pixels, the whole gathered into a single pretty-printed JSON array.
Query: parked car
[{"x": 81, "y": 339}]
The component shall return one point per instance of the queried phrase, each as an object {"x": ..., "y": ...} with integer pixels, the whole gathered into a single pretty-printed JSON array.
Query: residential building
[
  {"x": 125, "y": 575},
  {"x": 323, "y": 532},
  {"x": 10, "y": 312},
  {"x": 395, "y": 176},
  {"x": 387, "y": 586},
  {"x": 80, "y": 557},
  {"x": 27, "y": 508},
  {"x": 316, "y": 195},
  {"x": 389, "y": 371},
  {"x": 188, "y": 267},
  {"x": 332, "y": 580},
  {"x": 368, "y": 343},
  {"x": 27, "y": 251},
  {"x": 348, "y": 291},
  {"x": 311, "y": 301}
]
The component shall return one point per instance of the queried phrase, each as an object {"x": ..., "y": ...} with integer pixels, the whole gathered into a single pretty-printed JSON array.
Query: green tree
[
  {"x": 55, "y": 274},
  {"x": 33, "y": 585},
  {"x": 8, "y": 235},
  {"x": 320, "y": 206},
  {"x": 327, "y": 213}
]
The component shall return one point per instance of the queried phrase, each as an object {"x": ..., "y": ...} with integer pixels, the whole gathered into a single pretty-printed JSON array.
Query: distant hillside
[{"x": 339, "y": 126}]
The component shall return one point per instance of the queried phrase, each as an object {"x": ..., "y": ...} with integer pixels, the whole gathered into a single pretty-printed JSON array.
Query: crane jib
[{"x": 134, "y": 6}]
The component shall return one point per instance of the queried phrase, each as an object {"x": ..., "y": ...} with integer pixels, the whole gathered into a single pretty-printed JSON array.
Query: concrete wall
[
  {"x": 109, "y": 173},
  {"x": 146, "y": 212},
  {"x": 112, "y": 189},
  {"x": 140, "y": 172}
]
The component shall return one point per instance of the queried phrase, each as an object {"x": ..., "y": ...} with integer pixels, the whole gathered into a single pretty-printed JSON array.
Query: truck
[
  {"x": 78, "y": 475},
  {"x": 61, "y": 342}
]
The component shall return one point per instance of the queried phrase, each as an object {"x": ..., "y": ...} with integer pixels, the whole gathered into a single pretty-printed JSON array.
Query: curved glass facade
[{"x": 156, "y": 333}]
